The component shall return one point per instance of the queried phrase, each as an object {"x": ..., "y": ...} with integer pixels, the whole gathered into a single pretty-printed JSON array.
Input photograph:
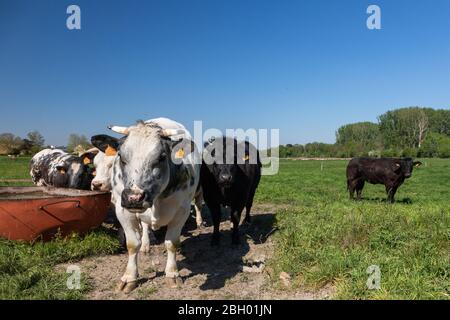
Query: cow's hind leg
[
  {"x": 132, "y": 228},
  {"x": 198, "y": 202},
  {"x": 249, "y": 205},
  {"x": 172, "y": 243},
  {"x": 235, "y": 219}
]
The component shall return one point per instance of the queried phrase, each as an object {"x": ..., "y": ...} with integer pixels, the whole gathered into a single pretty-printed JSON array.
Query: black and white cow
[
  {"x": 104, "y": 161},
  {"x": 56, "y": 168},
  {"x": 155, "y": 175},
  {"x": 230, "y": 174}
]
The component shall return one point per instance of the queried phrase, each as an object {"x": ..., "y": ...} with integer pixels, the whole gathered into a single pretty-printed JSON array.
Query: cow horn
[
  {"x": 121, "y": 130},
  {"x": 171, "y": 132}
]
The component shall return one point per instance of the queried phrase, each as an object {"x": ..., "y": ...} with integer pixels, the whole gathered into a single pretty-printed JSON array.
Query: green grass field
[{"x": 323, "y": 237}]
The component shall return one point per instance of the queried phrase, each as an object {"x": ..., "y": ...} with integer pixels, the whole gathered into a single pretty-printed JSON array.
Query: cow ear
[
  {"x": 417, "y": 163},
  {"x": 61, "y": 169},
  {"x": 89, "y": 155},
  {"x": 106, "y": 144},
  {"x": 396, "y": 166}
]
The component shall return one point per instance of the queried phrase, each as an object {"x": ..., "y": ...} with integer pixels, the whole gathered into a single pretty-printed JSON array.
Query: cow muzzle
[
  {"x": 135, "y": 200},
  {"x": 225, "y": 180},
  {"x": 98, "y": 186}
]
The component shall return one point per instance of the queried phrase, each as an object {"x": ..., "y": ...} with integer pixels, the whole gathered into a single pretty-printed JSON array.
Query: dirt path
[{"x": 207, "y": 272}]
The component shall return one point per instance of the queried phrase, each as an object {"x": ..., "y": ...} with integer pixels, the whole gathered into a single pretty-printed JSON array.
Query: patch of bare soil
[{"x": 207, "y": 272}]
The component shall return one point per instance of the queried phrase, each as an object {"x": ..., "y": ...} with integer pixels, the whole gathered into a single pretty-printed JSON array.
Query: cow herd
[{"x": 155, "y": 170}]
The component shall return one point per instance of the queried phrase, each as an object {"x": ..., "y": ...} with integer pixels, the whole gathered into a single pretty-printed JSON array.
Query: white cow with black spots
[
  {"x": 107, "y": 150},
  {"x": 155, "y": 175}
]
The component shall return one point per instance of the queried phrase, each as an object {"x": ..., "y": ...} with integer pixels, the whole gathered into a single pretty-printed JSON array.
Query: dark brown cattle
[{"x": 391, "y": 172}]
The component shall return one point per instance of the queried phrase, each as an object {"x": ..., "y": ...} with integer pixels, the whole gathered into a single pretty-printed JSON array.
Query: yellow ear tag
[
  {"x": 110, "y": 151},
  {"x": 86, "y": 160},
  {"x": 179, "y": 154},
  {"x": 62, "y": 171},
  {"x": 246, "y": 157}
]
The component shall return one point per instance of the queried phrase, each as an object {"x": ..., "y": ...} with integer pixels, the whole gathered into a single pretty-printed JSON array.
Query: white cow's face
[
  {"x": 143, "y": 162},
  {"x": 103, "y": 170}
]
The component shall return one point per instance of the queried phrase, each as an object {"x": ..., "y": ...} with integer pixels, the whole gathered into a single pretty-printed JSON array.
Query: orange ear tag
[
  {"x": 110, "y": 151},
  {"x": 62, "y": 171},
  {"x": 179, "y": 154},
  {"x": 86, "y": 160}
]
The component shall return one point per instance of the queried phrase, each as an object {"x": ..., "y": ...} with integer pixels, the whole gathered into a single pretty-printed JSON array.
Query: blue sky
[{"x": 305, "y": 67}]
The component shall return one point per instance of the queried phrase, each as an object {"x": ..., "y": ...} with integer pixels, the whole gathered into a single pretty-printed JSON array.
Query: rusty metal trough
[{"x": 39, "y": 213}]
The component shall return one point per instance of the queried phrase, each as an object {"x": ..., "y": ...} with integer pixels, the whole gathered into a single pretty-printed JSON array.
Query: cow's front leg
[
  {"x": 216, "y": 215},
  {"x": 172, "y": 243},
  {"x": 145, "y": 246},
  {"x": 132, "y": 228},
  {"x": 391, "y": 194}
]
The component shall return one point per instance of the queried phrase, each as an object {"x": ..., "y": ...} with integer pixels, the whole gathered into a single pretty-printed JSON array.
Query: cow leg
[
  {"x": 351, "y": 189},
  {"x": 247, "y": 218},
  {"x": 249, "y": 205},
  {"x": 145, "y": 240},
  {"x": 391, "y": 193},
  {"x": 172, "y": 242},
  {"x": 359, "y": 188},
  {"x": 216, "y": 215},
  {"x": 235, "y": 218},
  {"x": 198, "y": 210},
  {"x": 132, "y": 228}
]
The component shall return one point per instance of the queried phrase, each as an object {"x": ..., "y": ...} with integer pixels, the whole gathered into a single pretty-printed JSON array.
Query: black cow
[
  {"x": 56, "y": 168},
  {"x": 229, "y": 176},
  {"x": 391, "y": 172}
]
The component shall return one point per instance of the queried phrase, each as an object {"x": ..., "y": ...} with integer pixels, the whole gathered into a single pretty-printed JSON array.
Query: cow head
[
  {"x": 144, "y": 162},
  {"x": 220, "y": 155},
  {"x": 73, "y": 171},
  {"x": 405, "y": 166},
  {"x": 104, "y": 161}
]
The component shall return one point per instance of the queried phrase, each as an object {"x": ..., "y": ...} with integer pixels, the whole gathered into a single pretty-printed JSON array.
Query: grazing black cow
[
  {"x": 229, "y": 178},
  {"x": 388, "y": 171},
  {"x": 56, "y": 168}
]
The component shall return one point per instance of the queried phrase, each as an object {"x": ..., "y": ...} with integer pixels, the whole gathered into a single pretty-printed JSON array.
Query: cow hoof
[
  {"x": 145, "y": 250},
  {"x": 174, "y": 283},
  {"x": 200, "y": 225},
  {"x": 126, "y": 287}
]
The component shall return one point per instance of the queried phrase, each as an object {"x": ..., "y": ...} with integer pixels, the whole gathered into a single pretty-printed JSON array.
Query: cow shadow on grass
[
  {"x": 384, "y": 200},
  {"x": 224, "y": 261}
]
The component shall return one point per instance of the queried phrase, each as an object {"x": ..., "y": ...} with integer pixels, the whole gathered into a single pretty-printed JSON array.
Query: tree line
[
  {"x": 405, "y": 132},
  {"x": 34, "y": 142}
]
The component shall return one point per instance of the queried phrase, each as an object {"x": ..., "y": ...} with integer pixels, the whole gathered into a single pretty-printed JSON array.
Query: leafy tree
[
  {"x": 75, "y": 141},
  {"x": 404, "y": 128},
  {"x": 36, "y": 138},
  {"x": 436, "y": 145},
  {"x": 10, "y": 144}
]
